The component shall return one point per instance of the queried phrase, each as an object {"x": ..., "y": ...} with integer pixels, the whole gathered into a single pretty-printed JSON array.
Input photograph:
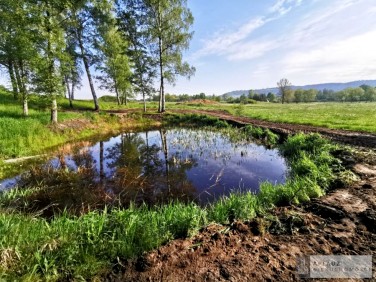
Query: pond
[{"x": 154, "y": 166}]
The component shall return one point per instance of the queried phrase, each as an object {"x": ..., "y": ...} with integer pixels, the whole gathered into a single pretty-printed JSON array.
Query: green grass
[
  {"x": 68, "y": 247},
  {"x": 26, "y": 136},
  {"x": 349, "y": 116},
  {"x": 20, "y": 136}
]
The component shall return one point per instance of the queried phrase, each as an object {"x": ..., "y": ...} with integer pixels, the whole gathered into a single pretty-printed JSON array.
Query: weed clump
[
  {"x": 266, "y": 135},
  {"x": 195, "y": 120}
]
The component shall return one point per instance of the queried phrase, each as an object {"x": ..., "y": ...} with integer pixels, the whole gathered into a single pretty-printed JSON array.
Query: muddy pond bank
[{"x": 267, "y": 248}]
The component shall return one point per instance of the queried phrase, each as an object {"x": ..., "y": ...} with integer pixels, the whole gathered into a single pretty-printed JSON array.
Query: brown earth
[
  {"x": 202, "y": 102},
  {"x": 341, "y": 223}
]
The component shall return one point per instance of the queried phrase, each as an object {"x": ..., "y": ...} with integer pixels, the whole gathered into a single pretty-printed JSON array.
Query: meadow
[
  {"x": 88, "y": 246},
  {"x": 358, "y": 116}
]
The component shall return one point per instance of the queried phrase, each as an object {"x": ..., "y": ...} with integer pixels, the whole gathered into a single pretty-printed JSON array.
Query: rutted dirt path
[
  {"x": 341, "y": 223},
  {"x": 349, "y": 137}
]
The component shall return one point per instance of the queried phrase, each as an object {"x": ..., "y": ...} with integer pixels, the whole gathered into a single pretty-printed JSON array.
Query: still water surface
[{"x": 157, "y": 166}]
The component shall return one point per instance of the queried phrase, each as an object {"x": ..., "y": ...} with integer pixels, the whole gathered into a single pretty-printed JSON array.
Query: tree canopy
[{"x": 46, "y": 44}]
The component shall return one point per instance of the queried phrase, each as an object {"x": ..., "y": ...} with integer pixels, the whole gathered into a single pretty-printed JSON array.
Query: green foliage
[
  {"x": 108, "y": 98},
  {"x": 266, "y": 135},
  {"x": 235, "y": 206},
  {"x": 83, "y": 246},
  {"x": 168, "y": 26},
  {"x": 114, "y": 66},
  {"x": 239, "y": 110},
  {"x": 299, "y": 143},
  {"x": 195, "y": 119}
]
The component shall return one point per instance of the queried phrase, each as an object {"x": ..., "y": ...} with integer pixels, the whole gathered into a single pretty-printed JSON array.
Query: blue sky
[{"x": 251, "y": 44}]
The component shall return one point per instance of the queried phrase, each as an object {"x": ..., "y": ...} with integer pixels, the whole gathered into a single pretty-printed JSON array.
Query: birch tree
[{"x": 169, "y": 23}]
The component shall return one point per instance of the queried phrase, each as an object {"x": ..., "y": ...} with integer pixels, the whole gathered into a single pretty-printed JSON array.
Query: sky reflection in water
[{"x": 161, "y": 165}]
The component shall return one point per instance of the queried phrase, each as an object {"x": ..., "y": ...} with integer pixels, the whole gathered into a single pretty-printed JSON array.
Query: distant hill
[{"x": 322, "y": 86}]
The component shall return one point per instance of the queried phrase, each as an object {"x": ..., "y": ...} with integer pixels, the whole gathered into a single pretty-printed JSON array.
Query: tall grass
[{"x": 82, "y": 247}]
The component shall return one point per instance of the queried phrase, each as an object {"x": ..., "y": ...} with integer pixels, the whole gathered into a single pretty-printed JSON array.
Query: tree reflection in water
[
  {"x": 148, "y": 167},
  {"x": 141, "y": 174}
]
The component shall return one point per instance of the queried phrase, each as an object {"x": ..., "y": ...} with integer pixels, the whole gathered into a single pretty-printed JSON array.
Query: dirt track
[
  {"x": 341, "y": 223},
  {"x": 348, "y": 137}
]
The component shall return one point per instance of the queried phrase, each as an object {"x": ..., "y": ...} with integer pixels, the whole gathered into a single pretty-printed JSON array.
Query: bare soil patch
[
  {"x": 201, "y": 102},
  {"x": 73, "y": 124},
  {"x": 341, "y": 223}
]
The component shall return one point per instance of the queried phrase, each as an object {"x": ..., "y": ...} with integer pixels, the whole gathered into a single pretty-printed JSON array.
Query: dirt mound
[
  {"x": 72, "y": 124},
  {"x": 201, "y": 102}
]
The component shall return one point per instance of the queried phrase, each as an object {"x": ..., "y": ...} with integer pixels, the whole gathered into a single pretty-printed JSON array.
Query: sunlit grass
[
  {"x": 349, "y": 116},
  {"x": 33, "y": 135}
]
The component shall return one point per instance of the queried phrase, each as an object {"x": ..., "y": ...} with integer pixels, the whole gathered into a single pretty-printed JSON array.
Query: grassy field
[
  {"x": 349, "y": 116},
  {"x": 358, "y": 116}
]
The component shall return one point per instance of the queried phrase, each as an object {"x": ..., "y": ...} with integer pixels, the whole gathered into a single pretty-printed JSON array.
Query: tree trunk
[
  {"x": 161, "y": 107},
  {"x": 143, "y": 96},
  {"x": 13, "y": 79},
  {"x": 87, "y": 69},
  {"x": 25, "y": 107},
  {"x": 22, "y": 88},
  {"x": 71, "y": 97},
  {"x": 72, "y": 91},
  {"x": 117, "y": 95},
  {"x": 54, "y": 111},
  {"x": 68, "y": 90}
]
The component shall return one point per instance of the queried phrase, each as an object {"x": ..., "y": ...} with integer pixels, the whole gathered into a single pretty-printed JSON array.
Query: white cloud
[
  {"x": 233, "y": 44},
  {"x": 325, "y": 41},
  {"x": 251, "y": 50},
  {"x": 284, "y": 6},
  {"x": 220, "y": 43},
  {"x": 344, "y": 60}
]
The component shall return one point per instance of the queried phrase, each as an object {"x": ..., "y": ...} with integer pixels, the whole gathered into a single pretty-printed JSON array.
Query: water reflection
[{"x": 153, "y": 167}]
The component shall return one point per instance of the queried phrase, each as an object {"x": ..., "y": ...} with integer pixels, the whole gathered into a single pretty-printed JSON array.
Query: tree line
[
  {"x": 363, "y": 93},
  {"x": 46, "y": 46}
]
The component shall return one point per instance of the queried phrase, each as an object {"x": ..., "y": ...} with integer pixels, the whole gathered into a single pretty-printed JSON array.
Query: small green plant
[
  {"x": 266, "y": 135},
  {"x": 240, "y": 109}
]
